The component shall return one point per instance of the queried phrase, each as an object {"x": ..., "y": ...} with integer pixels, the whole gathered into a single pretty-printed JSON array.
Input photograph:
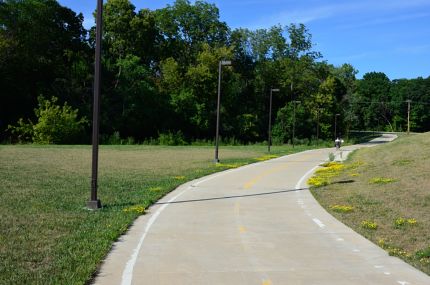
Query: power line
[{"x": 389, "y": 102}]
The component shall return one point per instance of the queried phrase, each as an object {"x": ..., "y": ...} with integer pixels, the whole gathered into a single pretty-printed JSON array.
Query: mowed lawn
[
  {"x": 47, "y": 236},
  {"x": 383, "y": 193}
]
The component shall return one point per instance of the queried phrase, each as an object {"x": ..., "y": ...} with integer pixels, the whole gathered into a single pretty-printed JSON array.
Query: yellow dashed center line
[
  {"x": 257, "y": 178},
  {"x": 267, "y": 282},
  {"x": 242, "y": 229}
]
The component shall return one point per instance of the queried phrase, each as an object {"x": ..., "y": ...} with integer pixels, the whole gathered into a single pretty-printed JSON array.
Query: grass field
[
  {"x": 47, "y": 236},
  {"x": 387, "y": 197}
]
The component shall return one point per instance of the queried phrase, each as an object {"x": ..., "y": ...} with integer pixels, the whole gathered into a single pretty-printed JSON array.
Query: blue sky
[{"x": 391, "y": 36}]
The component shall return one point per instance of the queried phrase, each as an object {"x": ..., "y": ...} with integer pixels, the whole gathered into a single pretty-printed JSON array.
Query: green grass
[
  {"x": 387, "y": 185},
  {"x": 47, "y": 236}
]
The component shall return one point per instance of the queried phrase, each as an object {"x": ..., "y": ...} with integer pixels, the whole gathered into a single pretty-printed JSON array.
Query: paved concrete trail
[{"x": 257, "y": 224}]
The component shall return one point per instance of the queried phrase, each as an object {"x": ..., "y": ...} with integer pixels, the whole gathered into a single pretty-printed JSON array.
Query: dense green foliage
[
  {"x": 160, "y": 75},
  {"x": 55, "y": 124}
]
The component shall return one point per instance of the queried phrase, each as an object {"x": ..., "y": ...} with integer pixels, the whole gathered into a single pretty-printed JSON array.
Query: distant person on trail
[{"x": 337, "y": 143}]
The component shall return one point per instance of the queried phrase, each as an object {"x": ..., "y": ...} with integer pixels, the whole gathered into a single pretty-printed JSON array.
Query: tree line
[{"x": 160, "y": 78}]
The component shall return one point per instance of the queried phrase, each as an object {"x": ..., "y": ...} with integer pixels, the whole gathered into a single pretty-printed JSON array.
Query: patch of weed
[
  {"x": 370, "y": 225},
  {"x": 381, "y": 180}
]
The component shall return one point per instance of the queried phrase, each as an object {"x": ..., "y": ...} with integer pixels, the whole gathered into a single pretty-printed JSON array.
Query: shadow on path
[{"x": 232, "y": 197}]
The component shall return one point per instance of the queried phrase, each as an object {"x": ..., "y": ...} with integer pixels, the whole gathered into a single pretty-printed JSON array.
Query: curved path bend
[{"x": 257, "y": 224}]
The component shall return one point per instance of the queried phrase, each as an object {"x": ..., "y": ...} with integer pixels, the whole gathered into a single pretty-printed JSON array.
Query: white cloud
[
  {"x": 306, "y": 14},
  {"x": 385, "y": 20},
  {"x": 414, "y": 49}
]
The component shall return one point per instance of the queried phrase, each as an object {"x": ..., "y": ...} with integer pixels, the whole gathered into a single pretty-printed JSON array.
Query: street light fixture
[
  {"x": 95, "y": 203},
  {"x": 294, "y": 117},
  {"x": 221, "y": 63},
  {"x": 270, "y": 119},
  {"x": 335, "y": 125}
]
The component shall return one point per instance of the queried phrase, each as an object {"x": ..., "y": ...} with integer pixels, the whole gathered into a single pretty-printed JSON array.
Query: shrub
[
  {"x": 56, "y": 124},
  {"x": 22, "y": 131},
  {"x": 171, "y": 138},
  {"x": 304, "y": 141},
  {"x": 114, "y": 139}
]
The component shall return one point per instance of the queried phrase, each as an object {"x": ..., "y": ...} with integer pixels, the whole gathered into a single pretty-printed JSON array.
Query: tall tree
[
  {"x": 374, "y": 94},
  {"x": 44, "y": 45},
  {"x": 129, "y": 49},
  {"x": 185, "y": 27}
]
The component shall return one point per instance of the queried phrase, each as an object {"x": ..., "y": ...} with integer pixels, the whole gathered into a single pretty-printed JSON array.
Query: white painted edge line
[
  {"x": 127, "y": 274},
  {"x": 318, "y": 222},
  {"x": 304, "y": 177}
]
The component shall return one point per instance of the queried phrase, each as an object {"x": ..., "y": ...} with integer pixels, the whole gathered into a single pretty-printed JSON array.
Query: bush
[
  {"x": 23, "y": 132},
  {"x": 56, "y": 124},
  {"x": 304, "y": 141},
  {"x": 172, "y": 138},
  {"x": 114, "y": 139}
]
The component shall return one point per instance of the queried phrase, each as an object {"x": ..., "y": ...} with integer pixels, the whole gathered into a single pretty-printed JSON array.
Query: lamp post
[
  {"x": 270, "y": 119},
  {"x": 94, "y": 203},
  {"x": 294, "y": 118},
  {"x": 335, "y": 125},
  {"x": 221, "y": 63},
  {"x": 409, "y": 112}
]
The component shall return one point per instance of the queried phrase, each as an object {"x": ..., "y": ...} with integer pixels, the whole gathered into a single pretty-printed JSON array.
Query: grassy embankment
[
  {"x": 383, "y": 193},
  {"x": 46, "y": 234}
]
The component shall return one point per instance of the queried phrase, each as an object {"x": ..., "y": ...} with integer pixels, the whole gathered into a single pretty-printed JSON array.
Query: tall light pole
[
  {"x": 95, "y": 203},
  {"x": 335, "y": 125},
  {"x": 294, "y": 118},
  {"x": 409, "y": 112},
  {"x": 221, "y": 63},
  {"x": 270, "y": 119}
]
